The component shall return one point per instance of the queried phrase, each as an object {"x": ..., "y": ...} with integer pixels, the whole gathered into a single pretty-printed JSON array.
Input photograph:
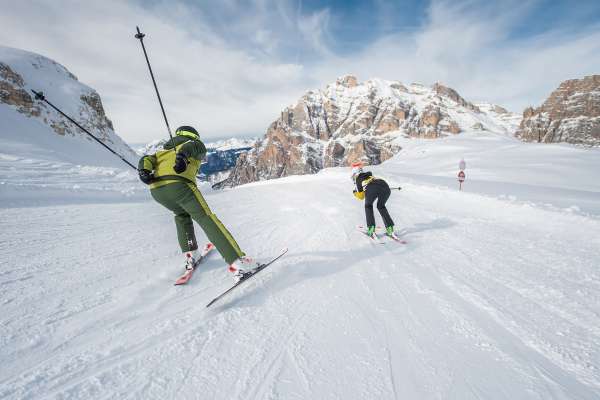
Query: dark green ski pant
[{"x": 185, "y": 200}]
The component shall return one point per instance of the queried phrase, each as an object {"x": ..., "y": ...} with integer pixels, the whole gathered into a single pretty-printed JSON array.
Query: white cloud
[
  {"x": 204, "y": 81},
  {"x": 314, "y": 28},
  {"x": 467, "y": 46}
]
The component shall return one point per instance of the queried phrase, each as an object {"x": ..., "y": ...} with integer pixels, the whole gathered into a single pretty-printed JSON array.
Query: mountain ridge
[{"x": 349, "y": 121}]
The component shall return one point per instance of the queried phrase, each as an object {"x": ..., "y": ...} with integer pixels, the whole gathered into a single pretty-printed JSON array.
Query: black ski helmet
[{"x": 188, "y": 131}]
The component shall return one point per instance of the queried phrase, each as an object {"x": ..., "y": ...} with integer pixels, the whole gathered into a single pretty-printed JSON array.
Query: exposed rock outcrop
[
  {"x": 12, "y": 92},
  {"x": 571, "y": 114},
  {"x": 350, "y": 121}
]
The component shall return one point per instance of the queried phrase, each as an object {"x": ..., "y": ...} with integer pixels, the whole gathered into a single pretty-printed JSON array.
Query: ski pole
[
  {"x": 140, "y": 36},
  {"x": 40, "y": 96}
]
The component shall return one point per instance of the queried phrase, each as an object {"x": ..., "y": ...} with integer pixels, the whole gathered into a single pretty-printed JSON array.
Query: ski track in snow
[{"x": 489, "y": 299}]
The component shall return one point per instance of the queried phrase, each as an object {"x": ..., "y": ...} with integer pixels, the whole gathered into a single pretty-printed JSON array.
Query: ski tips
[{"x": 255, "y": 271}]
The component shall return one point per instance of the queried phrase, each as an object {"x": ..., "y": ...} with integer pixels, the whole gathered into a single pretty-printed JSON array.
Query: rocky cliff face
[
  {"x": 12, "y": 92},
  {"x": 571, "y": 114},
  {"x": 350, "y": 121},
  {"x": 21, "y": 71}
]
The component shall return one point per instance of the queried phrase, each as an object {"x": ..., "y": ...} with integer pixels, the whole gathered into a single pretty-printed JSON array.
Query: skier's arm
[
  {"x": 359, "y": 187},
  {"x": 146, "y": 167},
  {"x": 193, "y": 149},
  {"x": 360, "y": 179},
  {"x": 358, "y": 192},
  {"x": 147, "y": 162}
]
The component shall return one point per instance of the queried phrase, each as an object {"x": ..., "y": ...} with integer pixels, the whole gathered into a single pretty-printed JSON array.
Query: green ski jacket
[{"x": 161, "y": 163}]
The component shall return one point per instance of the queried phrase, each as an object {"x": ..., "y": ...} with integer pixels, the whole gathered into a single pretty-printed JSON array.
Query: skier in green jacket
[{"x": 171, "y": 175}]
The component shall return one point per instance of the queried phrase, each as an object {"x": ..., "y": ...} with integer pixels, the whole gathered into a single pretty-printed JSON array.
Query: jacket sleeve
[
  {"x": 147, "y": 162},
  {"x": 359, "y": 180},
  {"x": 193, "y": 149}
]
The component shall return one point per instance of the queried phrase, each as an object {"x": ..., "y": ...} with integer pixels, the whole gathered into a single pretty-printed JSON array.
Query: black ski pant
[{"x": 377, "y": 190}]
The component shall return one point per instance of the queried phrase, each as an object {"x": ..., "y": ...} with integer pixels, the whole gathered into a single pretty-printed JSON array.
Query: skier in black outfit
[{"x": 369, "y": 189}]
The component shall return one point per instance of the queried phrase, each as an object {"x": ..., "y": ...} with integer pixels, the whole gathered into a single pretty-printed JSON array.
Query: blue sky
[
  {"x": 230, "y": 66},
  {"x": 352, "y": 25}
]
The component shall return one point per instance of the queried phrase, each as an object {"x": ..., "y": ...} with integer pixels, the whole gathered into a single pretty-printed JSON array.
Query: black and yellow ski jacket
[
  {"x": 362, "y": 180},
  {"x": 161, "y": 163}
]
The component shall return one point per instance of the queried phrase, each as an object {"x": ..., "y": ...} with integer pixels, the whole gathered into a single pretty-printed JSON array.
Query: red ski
[{"x": 187, "y": 275}]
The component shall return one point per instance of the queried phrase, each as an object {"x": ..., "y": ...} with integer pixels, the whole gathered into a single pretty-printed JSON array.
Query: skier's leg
[
  {"x": 370, "y": 196},
  {"x": 194, "y": 204},
  {"x": 185, "y": 232},
  {"x": 381, "y": 200},
  {"x": 167, "y": 197}
]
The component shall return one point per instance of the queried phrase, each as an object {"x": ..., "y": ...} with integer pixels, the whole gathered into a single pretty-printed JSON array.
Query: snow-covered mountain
[
  {"x": 33, "y": 130},
  {"x": 230, "y": 144},
  {"x": 44, "y": 158},
  {"x": 151, "y": 147},
  {"x": 349, "y": 121},
  {"x": 571, "y": 114},
  {"x": 501, "y": 116}
]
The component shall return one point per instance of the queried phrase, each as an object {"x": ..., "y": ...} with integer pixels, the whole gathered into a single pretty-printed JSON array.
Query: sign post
[
  {"x": 462, "y": 165},
  {"x": 461, "y": 179}
]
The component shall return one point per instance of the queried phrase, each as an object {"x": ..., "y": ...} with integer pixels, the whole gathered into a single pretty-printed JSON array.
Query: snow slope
[
  {"x": 551, "y": 175},
  {"x": 495, "y": 296}
]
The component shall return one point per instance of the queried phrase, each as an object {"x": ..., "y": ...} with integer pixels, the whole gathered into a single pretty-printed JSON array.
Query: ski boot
[
  {"x": 390, "y": 231},
  {"x": 371, "y": 231},
  {"x": 241, "y": 268},
  {"x": 191, "y": 258}
]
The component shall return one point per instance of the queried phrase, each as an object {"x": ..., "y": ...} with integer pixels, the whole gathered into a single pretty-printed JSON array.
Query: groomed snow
[{"x": 495, "y": 296}]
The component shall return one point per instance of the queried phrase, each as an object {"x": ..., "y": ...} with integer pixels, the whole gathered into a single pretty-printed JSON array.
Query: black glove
[
  {"x": 146, "y": 176},
  {"x": 181, "y": 163}
]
